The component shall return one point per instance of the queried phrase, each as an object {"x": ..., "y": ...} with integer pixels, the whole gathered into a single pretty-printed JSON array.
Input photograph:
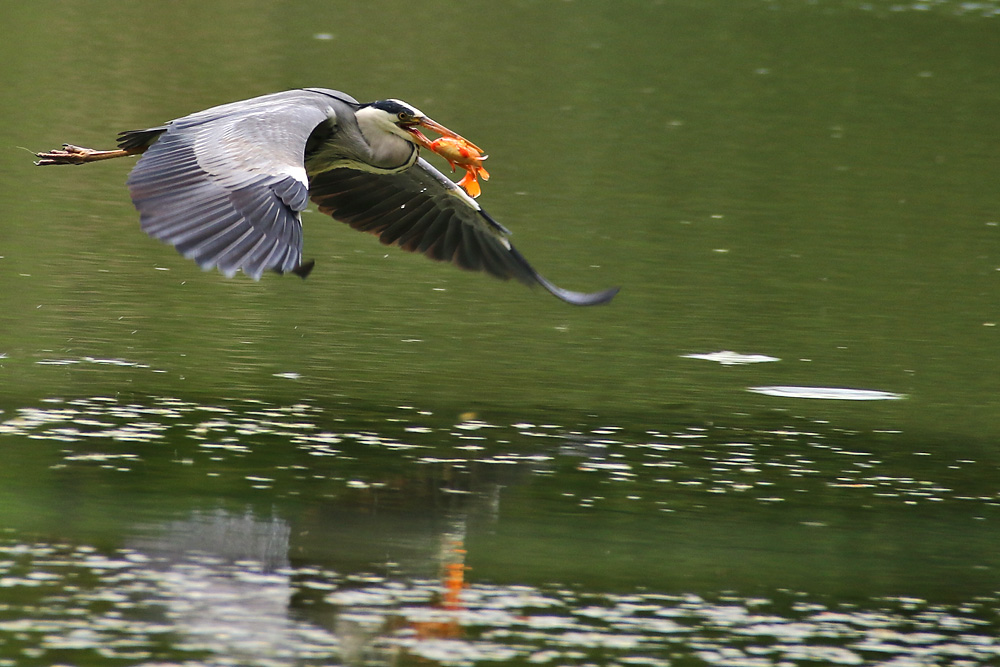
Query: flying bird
[{"x": 227, "y": 186}]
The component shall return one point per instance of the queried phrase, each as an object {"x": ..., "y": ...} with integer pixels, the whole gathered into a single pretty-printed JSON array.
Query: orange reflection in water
[{"x": 453, "y": 578}]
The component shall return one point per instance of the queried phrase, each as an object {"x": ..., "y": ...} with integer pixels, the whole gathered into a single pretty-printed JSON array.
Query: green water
[{"x": 202, "y": 471}]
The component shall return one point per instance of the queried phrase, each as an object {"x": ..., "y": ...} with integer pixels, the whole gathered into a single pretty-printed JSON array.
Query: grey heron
[{"x": 226, "y": 186}]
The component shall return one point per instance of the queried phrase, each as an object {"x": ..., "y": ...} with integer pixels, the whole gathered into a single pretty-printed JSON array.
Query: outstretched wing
[
  {"x": 421, "y": 210},
  {"x": 226, "y": 186}
]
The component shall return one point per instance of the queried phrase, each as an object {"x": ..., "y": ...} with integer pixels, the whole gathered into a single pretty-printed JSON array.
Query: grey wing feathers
[
  {"x": 420, "y": 210},
  {"x": 225, "y": 186}
]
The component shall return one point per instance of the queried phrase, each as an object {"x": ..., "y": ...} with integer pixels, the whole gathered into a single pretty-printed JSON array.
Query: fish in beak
[
  {"x": 456, "y": 149},
  {"x": 435, "y": 126}
]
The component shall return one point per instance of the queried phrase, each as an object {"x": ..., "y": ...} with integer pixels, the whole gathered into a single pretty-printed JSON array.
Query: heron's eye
[{"x": 402, "y": 115}]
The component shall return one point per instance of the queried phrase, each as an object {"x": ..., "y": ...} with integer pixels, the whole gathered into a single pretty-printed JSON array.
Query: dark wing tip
[
  {"x": 303, "y": 269},
  {"x": 579, "y": 298},
  {"x": 569, "y": 296}
]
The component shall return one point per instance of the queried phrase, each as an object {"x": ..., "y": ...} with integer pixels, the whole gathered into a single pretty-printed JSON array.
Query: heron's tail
[{"x": 139, "y": 140}]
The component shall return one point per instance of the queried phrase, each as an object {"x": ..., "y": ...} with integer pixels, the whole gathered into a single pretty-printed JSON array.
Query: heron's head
[{"x": 402, "y": 120}]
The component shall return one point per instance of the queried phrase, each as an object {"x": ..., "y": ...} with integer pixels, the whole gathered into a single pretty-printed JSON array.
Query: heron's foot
[{"x": 70, "y": 154}]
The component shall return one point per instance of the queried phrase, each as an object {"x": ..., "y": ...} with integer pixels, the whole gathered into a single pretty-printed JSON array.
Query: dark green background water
[{"x": 212, "y": 471}]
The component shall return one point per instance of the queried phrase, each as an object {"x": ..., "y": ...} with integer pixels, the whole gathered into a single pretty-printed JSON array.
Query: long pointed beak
[{"x": 435, "y": 126}]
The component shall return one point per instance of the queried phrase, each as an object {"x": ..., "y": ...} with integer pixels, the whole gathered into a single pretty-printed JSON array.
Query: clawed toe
[
  {"x": 71, "y": 154},
  {"x": 68, "y": 154}
]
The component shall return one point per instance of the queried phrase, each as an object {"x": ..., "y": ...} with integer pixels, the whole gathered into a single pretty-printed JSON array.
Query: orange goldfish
[{"x": 461, "y": 153}]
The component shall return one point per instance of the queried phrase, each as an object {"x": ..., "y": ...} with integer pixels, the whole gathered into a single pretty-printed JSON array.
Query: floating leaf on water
[
  {"x": 730, "y": 358},
  {"x": 828, "y": 393}
]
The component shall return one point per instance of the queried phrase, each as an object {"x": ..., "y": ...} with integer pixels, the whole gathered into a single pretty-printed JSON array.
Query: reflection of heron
[
  {"x": 226, "y": 186},
  {"x": 224, "y": 583}
]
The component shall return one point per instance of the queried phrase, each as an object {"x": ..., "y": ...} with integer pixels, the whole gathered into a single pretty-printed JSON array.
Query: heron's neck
[
  {"x": 389, "y": 151},
  {"x": 343, "y": 143}
]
